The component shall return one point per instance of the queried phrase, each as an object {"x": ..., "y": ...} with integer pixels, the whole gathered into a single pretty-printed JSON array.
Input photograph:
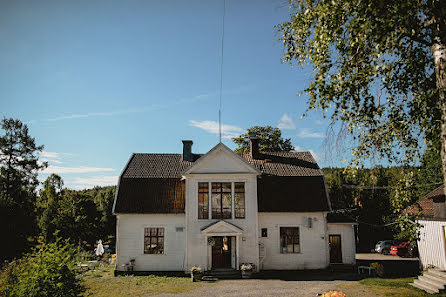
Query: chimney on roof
[
  {"x": 253, "y": 145},
  {"x": 187, "y": 150}
]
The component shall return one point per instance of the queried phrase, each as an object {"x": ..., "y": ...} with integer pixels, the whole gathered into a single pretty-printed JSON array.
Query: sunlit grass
[
  {"x": 102, "y": 283},
  {"x": 395, "y": 287}
]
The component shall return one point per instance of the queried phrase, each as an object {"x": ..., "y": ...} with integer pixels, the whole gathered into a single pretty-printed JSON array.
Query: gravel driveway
[{"x": 269, "y": 287}]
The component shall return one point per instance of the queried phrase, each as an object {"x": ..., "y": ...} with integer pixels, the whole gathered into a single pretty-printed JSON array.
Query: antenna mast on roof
[{"x": 221, "y": 67}]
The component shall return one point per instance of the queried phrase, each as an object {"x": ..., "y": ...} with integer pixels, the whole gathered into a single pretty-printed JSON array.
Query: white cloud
[
  {"x": 319, "y": 122},
  {"x": 286, "y": 123},
  {"x": 81, "y": 169},
  {"x": 86, "y": 182},
  {"x": 227, "y": 131},
  {"x": 307, "y": 133},
  {"x": 297, "y": 149},
  {"x": 52, "y": 157}
]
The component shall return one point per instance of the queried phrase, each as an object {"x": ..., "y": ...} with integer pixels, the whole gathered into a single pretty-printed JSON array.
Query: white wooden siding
[
  {"x": 313, "y": 241},
  {"x": 431, "y": 244},
  {"x": 348, "y": 245},
  {"x": 197, "y": 248},
  {"x": 130, "y": 242}
]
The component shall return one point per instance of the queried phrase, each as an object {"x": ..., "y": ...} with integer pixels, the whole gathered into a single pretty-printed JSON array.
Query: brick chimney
[
  {"x": 253, "y": 145},
  {"x": 187, "y": 150}
]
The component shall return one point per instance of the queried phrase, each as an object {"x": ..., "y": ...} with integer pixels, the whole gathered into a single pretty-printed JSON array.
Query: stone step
[
  {"x": 223, "y": 274},
  {"x": 425, "y": 286},
  {"x": 434, "y": 278},
  {"x": 437, "y": 272},
  {"x": 433, "y": 281}
]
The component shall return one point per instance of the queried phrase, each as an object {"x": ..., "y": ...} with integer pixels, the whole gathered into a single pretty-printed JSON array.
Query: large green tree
[
  {"x": 270, "y": 140},
  {"x": 49, "y": 206},
  {"x": 18, "y": 180},
  {"x": 379, "y": 69}
]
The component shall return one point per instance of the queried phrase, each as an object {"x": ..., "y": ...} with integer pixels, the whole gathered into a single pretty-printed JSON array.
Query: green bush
[{"x": 48, "y": 270}]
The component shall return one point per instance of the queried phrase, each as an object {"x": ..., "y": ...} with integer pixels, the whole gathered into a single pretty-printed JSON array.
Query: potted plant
[
  {"x": 196, "y": 273},
  {"x": 247, "y": 269}
]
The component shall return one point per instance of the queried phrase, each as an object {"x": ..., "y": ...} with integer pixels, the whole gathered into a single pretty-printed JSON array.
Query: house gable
[
  {"x": 221, "y": 160},
  {"x": 221, "y": 228}
]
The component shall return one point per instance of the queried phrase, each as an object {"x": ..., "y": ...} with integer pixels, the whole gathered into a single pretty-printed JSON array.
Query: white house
[
  {"x": 222, "y": 209},
  {"x": 432, "y": 240}
]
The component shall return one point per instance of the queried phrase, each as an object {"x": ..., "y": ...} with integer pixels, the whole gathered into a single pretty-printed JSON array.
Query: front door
[
  {"x": 221, "y": 252},
  {"x": 335, "y": 249}
]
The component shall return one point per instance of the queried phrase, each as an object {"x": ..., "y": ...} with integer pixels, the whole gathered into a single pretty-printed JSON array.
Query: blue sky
[{"x": 98, "y": 80}]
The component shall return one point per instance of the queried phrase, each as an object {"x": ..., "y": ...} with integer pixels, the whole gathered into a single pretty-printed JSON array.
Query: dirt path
[{"x": 270, "y": 288}]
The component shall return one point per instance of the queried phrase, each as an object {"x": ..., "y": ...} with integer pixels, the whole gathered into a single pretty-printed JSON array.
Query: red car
[{"x": 400, "y": 250}]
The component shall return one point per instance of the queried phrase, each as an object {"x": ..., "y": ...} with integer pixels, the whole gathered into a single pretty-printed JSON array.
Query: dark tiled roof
[
  {"x": 147, "y": 183},
  {"x": 425, "y": 206},
  {"x": 286, "y": 164},
  {"x": 436, "y": 193},
  {"x": 291, "y": 194},
  {"x": 150, "y": 195},
  {"x": 339, "y": 218},
  {"x": 172, "y": 165}
]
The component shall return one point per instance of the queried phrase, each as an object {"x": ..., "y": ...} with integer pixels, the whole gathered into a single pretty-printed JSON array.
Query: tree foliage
[
  {"x": 49, "y": 270},
  {"x": 270, "y": 140},
  {"x": 379, "y": 69},
  {"x": 81, "y": 216},
  {"x": 374, "y": 69},
  {"x": 18, "y": 180}
]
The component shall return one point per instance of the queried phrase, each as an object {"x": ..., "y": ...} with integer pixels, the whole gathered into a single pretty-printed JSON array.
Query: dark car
[{"x": 405, "y": 249}]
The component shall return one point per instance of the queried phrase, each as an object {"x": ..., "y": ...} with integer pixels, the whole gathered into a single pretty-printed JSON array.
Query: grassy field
[
  {"x": 395, "y": 287},
  {"x": 102, "y": 283}
]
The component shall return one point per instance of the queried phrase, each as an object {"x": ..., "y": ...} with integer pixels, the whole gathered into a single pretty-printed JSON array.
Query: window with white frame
[
  {"x": 203, "y": 200},
  {"x": 220, "y": 200},
  {"x": 239, "y": 200},
  {"x": 153, "y": 240},
  {"x": 289, "y": 240}
]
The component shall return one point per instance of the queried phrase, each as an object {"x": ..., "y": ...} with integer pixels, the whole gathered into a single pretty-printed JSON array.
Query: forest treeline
[
  {"x": 376, "y": 198},
  {"x": 30, "y": 213}
]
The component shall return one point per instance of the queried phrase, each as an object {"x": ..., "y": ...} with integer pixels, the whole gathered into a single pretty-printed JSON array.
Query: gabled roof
[
  {"x": 425, "y": 206},
  {"x": 221, "y": 227},
  {"x": 289, "y": 181},
  {"x": 245, "y": 165},
  {"x": 173, "y": 166}
]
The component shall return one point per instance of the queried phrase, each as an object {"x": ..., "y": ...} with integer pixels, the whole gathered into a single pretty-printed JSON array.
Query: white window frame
[
  {"x": 244, "y": 181},
  {"x": 300, "y": 239},
  {"x": 144, "y": 237}
]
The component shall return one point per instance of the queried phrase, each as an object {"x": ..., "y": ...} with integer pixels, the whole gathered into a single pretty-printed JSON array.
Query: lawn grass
[
  {"x": 395, "y": 287},
  {"x": 102, "y": 283}
]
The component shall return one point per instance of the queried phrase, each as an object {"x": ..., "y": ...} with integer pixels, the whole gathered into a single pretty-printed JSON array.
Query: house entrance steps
[
  {"x": 432, "y": 281},
  {"x": 222, "y": 273}
]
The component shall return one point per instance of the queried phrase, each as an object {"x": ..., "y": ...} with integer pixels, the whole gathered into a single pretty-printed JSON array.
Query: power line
[
  {"x": 221, "y": 66},
  {"x": 385, "y": 187}
]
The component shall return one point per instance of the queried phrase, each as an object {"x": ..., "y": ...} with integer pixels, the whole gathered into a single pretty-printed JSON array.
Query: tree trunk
[{"x": 439, "y": 51}]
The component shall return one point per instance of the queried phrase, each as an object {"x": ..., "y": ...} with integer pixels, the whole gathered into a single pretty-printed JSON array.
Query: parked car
[
  {"x": 383, "y": 247},
  {"x": 405, "y": 249}
]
